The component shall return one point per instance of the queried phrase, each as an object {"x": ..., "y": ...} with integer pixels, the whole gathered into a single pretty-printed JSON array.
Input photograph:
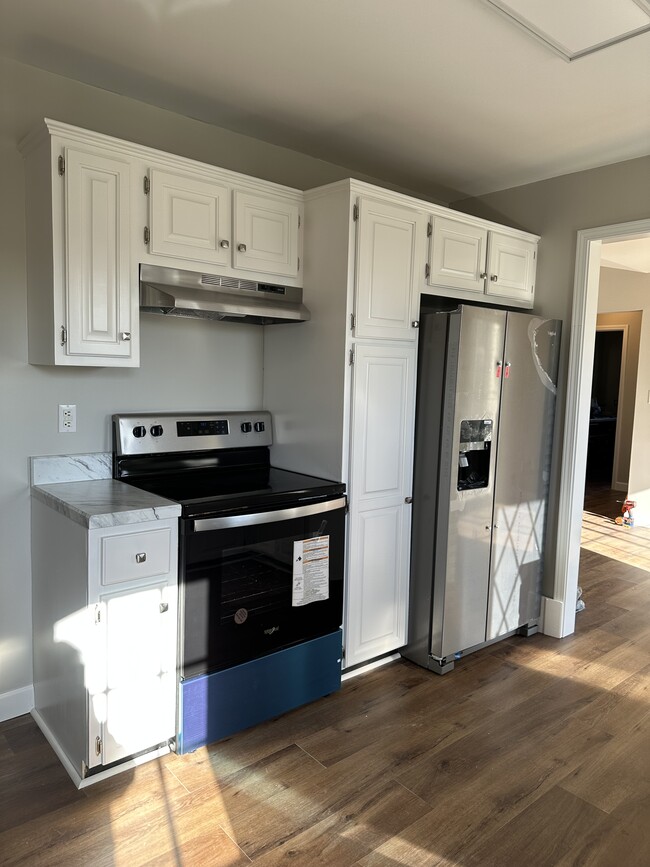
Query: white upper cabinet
[
  {"x": 457, "y": 255},
  {"x": 200, "y": 220},
  {"x": 388, "y": 269},
  {"x": 96, "y": 232},
  {"x": 266, "y": 232},
  {"x": 470, "y": 259},
  {"x": 190, "y": 218},
  {"x": 511, "y": 268},
  {"x": 82, "y": 284}
]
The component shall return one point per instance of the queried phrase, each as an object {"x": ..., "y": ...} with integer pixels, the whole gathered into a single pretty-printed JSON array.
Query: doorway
[{"x": 559, "y": 612}]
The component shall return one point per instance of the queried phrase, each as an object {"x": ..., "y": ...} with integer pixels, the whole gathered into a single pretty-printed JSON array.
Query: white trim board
[
  {"x": 576, "y": 418},
  {"x": 16, "y": 703}
]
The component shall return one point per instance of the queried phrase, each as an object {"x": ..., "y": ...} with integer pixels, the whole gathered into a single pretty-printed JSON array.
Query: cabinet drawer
[{"x": 130, "y": 556}]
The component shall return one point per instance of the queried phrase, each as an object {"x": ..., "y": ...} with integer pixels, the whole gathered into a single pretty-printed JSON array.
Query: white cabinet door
[
  {"x": 380, "y": 518},
  {"x": 190, "y": 218},
  {"x": 98, "y": 287},
  {"x": 134, "y": 708},
  {"x": 511, "y": 267},
  {"x": 266, "y": 234},
  {"x": 389, "y": 245},
  {"x": 457, "y": 255}
]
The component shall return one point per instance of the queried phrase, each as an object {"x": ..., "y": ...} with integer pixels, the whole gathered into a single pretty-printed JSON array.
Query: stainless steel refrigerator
[{"x": 484, "y": 425}]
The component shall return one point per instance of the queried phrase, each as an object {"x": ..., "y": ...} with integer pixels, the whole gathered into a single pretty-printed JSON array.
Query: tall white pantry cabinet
[{"x": 342, "y": 388}]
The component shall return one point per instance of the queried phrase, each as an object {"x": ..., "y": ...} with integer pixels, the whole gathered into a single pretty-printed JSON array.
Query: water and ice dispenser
[{"x": 474, "y": 454}]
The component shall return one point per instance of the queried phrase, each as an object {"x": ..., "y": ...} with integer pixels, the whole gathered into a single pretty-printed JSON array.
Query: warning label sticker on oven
[{"x": 311, "y": 570}]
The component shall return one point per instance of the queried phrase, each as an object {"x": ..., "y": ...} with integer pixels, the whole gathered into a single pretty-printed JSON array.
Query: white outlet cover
[{"x": 67, "y": 418}]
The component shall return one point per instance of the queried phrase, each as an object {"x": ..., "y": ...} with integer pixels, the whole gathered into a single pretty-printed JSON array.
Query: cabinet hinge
[
  {"x": 299, "y": 263},
  {"x": 61, "y": 166},
  {"x": 64, "y": 335},
  {"x": 355, "y": 212},
  {"x": 351, "y": 357},
  {"x": 427, "y": 270},
  {"x": 429, "y": 229},
  {"x": 147, "y": 185},
  {"x": 146, "y": 234},
  {"x": 98, "y": 746},
  {"x": 353, "y": 321},
  {"x": 299, "y": 220},
  {"x": 98, "y": 614}
]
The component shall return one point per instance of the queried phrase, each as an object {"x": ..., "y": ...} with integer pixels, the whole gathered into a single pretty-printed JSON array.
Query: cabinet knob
[
  {"x": 125, "y": 335},
  {"x": 494, "y": 278},
  {"x": 225, "y": 244},
  {"x": 408, "y": 500},
  {"x": 140, "y": 558},
  {"x": 482, "y": 275},
  {"x": 415, "y": 324},
  {"x": 241, "y": 248},
  {"x": 164, "y": 606}
]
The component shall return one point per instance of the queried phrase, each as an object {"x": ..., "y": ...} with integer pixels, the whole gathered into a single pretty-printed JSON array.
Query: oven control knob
[
  {"x": 156, "y": 430},
  {"x": 246, "y": 427},
  {"x": 139, "y": 431},
  {"x": 259, "y": 426}
]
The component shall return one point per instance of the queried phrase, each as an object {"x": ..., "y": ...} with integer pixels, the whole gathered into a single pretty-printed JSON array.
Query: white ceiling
[
  {"x": 627, "y": 255},
  {"x": 444, "y": 94}
]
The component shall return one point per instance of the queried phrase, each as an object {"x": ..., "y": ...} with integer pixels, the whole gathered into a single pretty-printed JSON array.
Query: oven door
[{"x": 254, "y": 584}]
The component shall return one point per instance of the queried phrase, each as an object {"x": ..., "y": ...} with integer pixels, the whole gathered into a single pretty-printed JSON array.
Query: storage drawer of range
[{"x": 135, "y": 555}]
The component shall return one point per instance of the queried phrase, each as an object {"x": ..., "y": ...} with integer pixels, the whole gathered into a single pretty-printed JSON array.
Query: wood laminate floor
[{"x": 532, "y": 752}]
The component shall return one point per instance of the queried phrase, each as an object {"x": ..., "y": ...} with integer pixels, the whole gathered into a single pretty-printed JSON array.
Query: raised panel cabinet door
[
  {"x": 389, "y": 248},
  {"x": 134, "y": 708},
  {"x": 98, "y": 270},
  {"x": 511, "y": 268},
  {"x": 266, "y": 234},
  {"x": 383, "y": 410},
  {"x": 457, "y": 255},
  {"x": 378, "y": 580},
  {"x": 190, "y": 218}
]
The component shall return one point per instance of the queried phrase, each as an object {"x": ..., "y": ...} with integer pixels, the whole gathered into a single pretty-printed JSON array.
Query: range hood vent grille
[{"x": 173, "y": 292}]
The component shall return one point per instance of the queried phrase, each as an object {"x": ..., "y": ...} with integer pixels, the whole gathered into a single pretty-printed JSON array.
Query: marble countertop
[{"x": 104, "y": 502}]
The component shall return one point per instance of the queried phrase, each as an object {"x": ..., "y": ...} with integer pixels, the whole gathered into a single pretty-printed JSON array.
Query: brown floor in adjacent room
[{"x": 534, "y": 751}]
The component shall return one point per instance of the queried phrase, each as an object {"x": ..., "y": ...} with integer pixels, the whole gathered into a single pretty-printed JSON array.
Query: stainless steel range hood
[{"x": 173, "y": 292}]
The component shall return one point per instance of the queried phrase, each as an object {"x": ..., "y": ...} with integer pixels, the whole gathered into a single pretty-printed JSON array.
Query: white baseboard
[
  {"x": 16, "y": 703},
  {"x": 552, "y": 617}
]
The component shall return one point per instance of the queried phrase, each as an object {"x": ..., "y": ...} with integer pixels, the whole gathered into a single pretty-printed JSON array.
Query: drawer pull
[
  {"x": 140, "y": 558},
  {"x": 164, "y": 606}
]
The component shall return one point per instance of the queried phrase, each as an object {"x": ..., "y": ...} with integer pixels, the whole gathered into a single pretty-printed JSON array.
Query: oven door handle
[{"x": 271, "y": 517}]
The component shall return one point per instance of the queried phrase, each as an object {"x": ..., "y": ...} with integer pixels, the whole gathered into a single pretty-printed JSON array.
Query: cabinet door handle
[
  {"x": 415, "y": 323},
  {"x": 482, "y": 275},
  {"x": 225, "y": 244},
  {"x": 164, "y": 606},
  {"x": 241, "y": 248},
  {"x": 408, "y": 500},
  {"x": 140, "y": 558},
  {"x": 125, "y": 335},
  {"x": 494, "y": 278}
]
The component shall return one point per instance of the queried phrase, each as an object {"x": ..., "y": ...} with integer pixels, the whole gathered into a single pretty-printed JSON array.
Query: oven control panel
[{"x": 156, "y": 433}]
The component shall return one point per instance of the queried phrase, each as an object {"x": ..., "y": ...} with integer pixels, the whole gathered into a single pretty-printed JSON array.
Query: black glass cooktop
[{"x": 208, "y": 492}]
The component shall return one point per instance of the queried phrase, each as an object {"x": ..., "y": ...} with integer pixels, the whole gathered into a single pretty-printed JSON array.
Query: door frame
[{"x": 559, "y": 612}]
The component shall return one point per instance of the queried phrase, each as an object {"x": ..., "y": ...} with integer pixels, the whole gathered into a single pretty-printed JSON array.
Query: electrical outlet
[{"x": 67, "y": 418}]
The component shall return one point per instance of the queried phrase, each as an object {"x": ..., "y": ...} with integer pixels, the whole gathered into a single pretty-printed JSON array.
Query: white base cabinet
[{"x": 105, "y": 638}]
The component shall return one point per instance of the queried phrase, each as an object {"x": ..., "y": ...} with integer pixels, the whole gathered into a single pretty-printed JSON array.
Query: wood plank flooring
[{"x": 532, "y": 752}]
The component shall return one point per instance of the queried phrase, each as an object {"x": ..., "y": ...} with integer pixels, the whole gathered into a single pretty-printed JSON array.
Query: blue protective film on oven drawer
[{"x": 216, "y": 705}]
